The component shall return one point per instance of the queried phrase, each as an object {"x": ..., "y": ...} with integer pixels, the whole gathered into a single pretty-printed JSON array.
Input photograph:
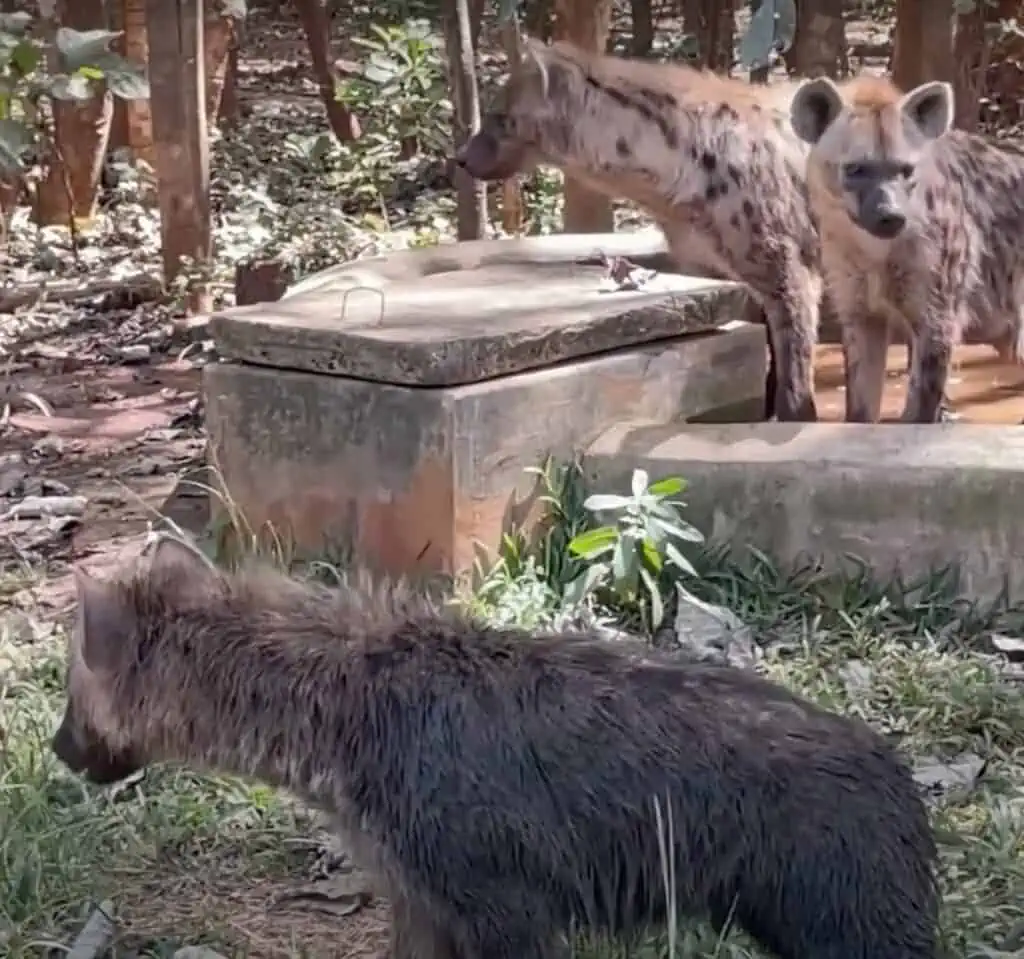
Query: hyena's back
[{"x": 511, "y": 786}]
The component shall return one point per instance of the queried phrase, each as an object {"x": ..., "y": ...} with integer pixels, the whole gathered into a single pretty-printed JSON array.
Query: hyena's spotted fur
[
  {"x": 922, "y": 228},
  {"x": 503, "y": 785},
  {"x": 712, "y": 159}
]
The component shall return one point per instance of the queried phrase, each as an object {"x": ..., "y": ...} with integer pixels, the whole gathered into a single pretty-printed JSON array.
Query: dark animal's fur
[{"x": 506, "y": 785}]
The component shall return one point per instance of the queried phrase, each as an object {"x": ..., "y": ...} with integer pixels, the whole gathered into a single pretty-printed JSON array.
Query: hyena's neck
[{"x": 259, "y": 709}]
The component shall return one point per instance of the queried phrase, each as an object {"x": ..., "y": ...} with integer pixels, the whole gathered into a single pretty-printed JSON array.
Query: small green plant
[
  {"x": 402, "y": 92},
  {"x": 628, "y": 558},
  {"x": 80, "y": 58}
]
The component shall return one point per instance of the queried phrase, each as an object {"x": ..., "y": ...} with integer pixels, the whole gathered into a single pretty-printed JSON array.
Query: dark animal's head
[
  {"x": 867, "y": 140},
  {"x": 105, "y": 731},
  {"x": 529, "y": 120}
]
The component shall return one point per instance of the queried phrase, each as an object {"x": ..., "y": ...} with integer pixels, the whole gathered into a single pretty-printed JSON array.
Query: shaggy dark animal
[{"x": 508, "y": 788}]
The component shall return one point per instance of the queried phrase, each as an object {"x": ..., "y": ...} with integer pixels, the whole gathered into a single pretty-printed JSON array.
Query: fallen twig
[{"x": 68, "y": 291}]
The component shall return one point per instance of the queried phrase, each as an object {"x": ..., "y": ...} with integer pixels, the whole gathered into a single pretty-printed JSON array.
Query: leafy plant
[
  {"x": 79, "y": 58},
  {"x": 628, "y": 557},
  {"x": 402, "y": 91}
]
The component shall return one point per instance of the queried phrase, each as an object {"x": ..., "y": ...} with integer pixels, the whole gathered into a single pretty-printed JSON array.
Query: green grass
[{"x": 187, "y": 859}]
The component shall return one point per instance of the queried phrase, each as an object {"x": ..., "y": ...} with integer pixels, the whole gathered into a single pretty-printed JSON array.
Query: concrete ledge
[
  {"x": 409, "y": 478},
  {"x": 903, "y": 499}
]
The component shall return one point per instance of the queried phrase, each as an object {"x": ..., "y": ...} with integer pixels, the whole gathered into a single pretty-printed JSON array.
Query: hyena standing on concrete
[
  {"x": 504, "y": 785},
  {"x": 712, "y": 159},
  {"x": 921, "y": 229}
]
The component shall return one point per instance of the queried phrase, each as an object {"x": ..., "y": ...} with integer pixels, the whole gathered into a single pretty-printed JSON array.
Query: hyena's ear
[
  {"x": 815, "y": 107},
  {"x": 930, "y": 108},
  {"x": 181, "y": 570},
  {"x": 102, "y": 622}
]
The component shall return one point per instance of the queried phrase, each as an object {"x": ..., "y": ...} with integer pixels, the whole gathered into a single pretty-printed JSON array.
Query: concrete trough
[{"x": 906, "y": 500}]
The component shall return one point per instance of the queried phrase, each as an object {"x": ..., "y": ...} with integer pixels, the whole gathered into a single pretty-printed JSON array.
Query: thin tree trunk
[
  {"x": 587, "y": 24},
  {"x": 923, "y": 47},
  {"x": 317, "y": 27},
  {"x": 972, "y": 54},
  {"x": 471, "y": 195},
  {"x": 819, "y": 47}
]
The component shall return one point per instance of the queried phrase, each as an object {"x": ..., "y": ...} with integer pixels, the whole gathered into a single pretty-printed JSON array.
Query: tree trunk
[
  {"x": 972, "y": 54},
  {"x": 1005, "y": 82},
  {"x": 218, "y": 39},
  {"x": 317, "y": 27},
  {"x": 819, "y": 47},
  {"x": 923, "y": 47},
  {"x": 227, "y": 117},
  {"x": 585, "y": 23},
  {"x": 643, "y": 27},
  {"x": 178, "y": 96},
  {"x": 81, "y": 129},
  {"x": 137, "y": 113},
  {"x": 471, "y": 195},
  {"x": 538, "y": 18},
  {"x": 713, "y": 24}
]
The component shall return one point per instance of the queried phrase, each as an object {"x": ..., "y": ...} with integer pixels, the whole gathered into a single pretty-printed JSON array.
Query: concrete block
[
  {"x": 904, "y": 499},
  {"x": 389, "y": 406},
  {"x": 409, "y": 478}
]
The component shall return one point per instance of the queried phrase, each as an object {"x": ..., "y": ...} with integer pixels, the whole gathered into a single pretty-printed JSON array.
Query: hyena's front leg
[
  {"x": 416, "y": 931},
  {"x": 931, "y": 356},
  {"x": 865, "y": 350}
]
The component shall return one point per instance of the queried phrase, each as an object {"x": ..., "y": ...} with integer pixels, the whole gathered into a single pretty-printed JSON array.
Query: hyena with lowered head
[
  {"x": 712, "y": 159},
  {"x": 921, "y": 229},
  {"x": 504, "y": 785}
]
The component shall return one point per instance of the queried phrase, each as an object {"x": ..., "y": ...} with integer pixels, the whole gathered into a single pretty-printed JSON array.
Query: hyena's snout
[{"x": 880, "y": 212}]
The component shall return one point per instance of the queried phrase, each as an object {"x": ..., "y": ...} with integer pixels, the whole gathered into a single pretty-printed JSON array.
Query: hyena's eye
[
  {"x": 855, "y": 171},
  {"x": 906, "y": 171}
]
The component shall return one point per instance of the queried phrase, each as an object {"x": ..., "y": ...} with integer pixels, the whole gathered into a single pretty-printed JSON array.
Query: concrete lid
[{"x": 463, "y": 313}]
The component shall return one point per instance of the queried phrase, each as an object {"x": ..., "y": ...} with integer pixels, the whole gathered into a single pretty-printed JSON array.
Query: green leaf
[
  {"x": 25, "y": 57},
  {"x": 678, "y": 560},
  {"x": 679, "y": 530},
  {"x": 594, "y": 542},
  {"x": 64, "y": 87},
  {"x": 83, "y": 48},
  {"x": 598, "y": 502},
  {"x": 639, "y": 483},
  {"x": 128, "y": 82},
  {"x": 16, "y": 23},
  {"x": 578, "y": 589},
  {"x": 657, "y": 605},
  {"x": 670, "y": 486},
  {"x": 651, "y": 556},
  {"x": 14, "y": 138}
]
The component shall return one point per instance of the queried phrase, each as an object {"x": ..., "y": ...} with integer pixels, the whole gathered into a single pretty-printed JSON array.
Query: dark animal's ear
[
  {"x": 815, "y": 107},
  {"x": 180, "y": 570},
  {"x": 102, "y": 624},
  {"x": 930, "y": 108}
]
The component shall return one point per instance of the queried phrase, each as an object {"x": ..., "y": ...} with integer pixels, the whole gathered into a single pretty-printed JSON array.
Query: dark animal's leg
[{"x": 417, "y": 932}]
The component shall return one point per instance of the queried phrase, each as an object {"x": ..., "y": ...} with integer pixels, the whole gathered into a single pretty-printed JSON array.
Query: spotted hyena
[
  {"x": 712, "y": 159},
  {"x": 921, "y": 229},
  {"x": 503, "y": 784}
]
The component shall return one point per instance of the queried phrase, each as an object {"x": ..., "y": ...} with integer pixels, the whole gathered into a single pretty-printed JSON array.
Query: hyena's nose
[{"x": 889, "y": 223}]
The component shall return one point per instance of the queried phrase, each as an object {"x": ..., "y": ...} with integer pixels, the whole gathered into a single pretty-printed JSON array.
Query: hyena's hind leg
[{"x": 791, "y": 314}]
